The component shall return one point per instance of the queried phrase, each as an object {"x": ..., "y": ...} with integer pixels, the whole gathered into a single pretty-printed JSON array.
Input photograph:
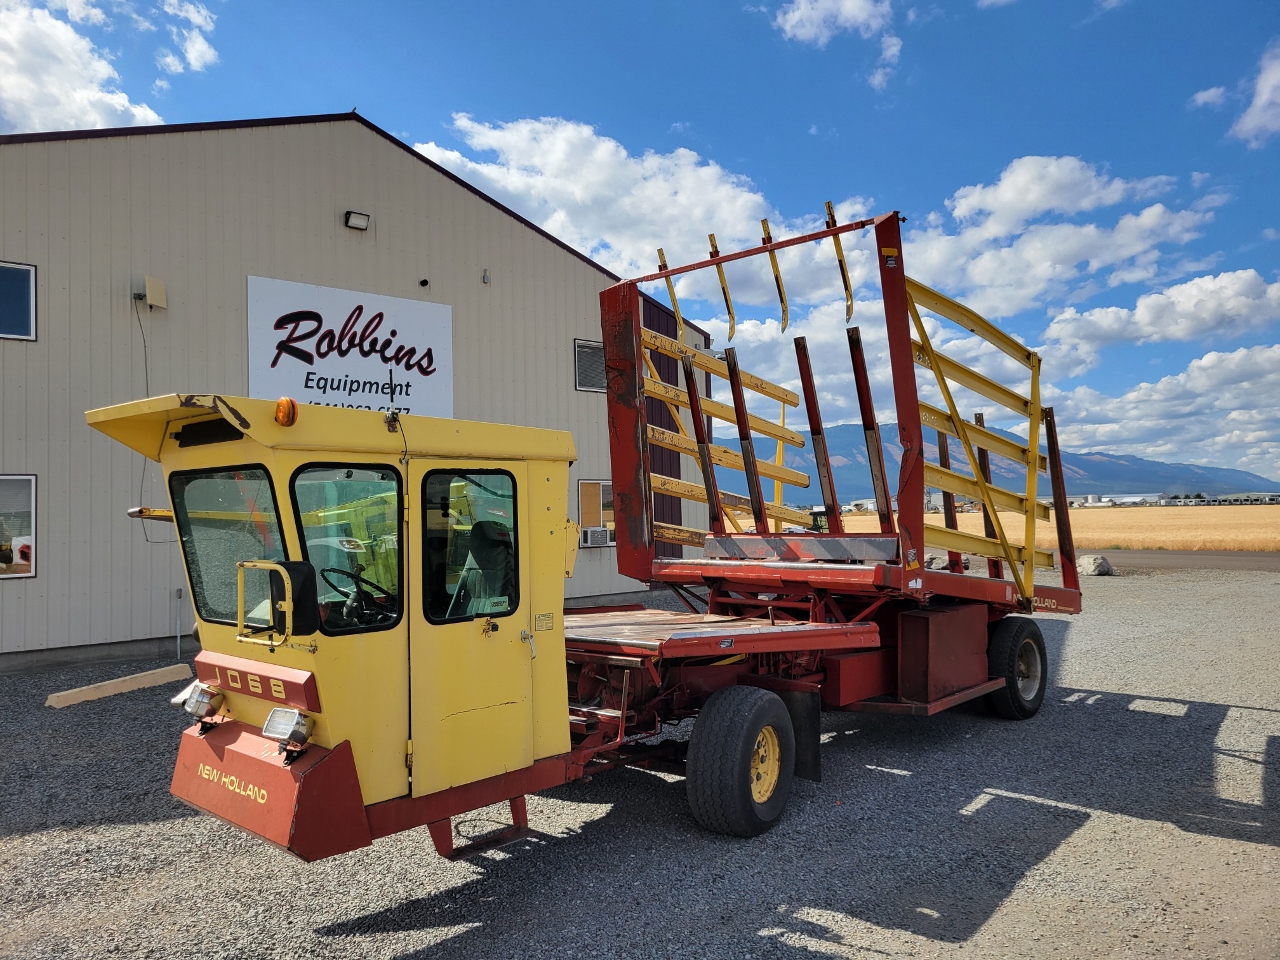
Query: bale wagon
[{"x": 380, "y": 598}]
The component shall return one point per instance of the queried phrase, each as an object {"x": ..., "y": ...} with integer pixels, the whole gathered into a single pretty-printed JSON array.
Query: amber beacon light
[{"x": 286, "y": 411}]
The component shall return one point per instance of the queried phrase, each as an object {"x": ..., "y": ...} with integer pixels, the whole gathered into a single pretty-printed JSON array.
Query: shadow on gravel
[
  {"x": 1206, "y": 768},
  {"x": 104, "y": 761},
  {"x": 911, "y": 865},
  {"x": 923, "y": 825},
  {"x": 920, "y": 825}
]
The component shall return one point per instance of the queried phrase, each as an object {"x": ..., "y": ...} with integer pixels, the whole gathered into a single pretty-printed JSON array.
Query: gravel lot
[{"x": 1136, "y": 815}]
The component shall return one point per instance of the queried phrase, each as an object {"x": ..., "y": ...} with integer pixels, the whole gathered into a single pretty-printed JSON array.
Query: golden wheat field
[{"x": 1135, "y": 528}]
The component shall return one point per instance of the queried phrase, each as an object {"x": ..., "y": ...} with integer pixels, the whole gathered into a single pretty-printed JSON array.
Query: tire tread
[
  {"x": 713, "y": 769},
  {"x": 1006, "y": 637}
]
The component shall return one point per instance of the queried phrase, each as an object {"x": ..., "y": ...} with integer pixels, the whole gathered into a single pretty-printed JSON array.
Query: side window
[
  {"x": 595, "y": 513},
  {"x": 588, "y": 362},
  {"x": 471, "y": 548},
  {"x": 17, "y": 526},
  {"x": 349, "y": 516},
  {"x": 17, "y": 301},
  {"x": 225, "y": 516}
]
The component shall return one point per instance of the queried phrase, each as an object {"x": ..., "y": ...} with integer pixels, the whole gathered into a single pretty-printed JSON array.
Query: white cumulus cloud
[
  {"x": 79, "y": 11},
  {"x": 196, "y": 14},
  {"x": 1031, "y": 186},
  {"x": 197, "y": 49},
  {"x": 1261, "y": 119},
  {"x": 890, "y": 53},
  {"x": 1226, "y": 305},
  {"x": 189, "y": 35},
  {"x": 1022, "y": 241},
  {"x": 1222, "y": 410},
  {"x": 619, "y": 207},
  {"x": 1213, "y": 97},
  {"x": 817, "y": 21},
  {"x": 53, "y": 78},
  {"x": 890, "y": 48},
  {"x": 168, "y": 61},
  {"x": 1048, "y": 261}
]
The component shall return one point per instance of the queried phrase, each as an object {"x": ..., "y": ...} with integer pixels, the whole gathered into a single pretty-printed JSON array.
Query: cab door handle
[{"x": 527, "y": 637}]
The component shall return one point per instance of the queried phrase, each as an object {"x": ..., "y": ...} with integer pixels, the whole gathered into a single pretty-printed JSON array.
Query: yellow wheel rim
[{"x": 766, "y": 764}]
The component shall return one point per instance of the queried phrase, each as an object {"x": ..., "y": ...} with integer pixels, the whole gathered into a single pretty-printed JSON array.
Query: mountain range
[{"x": 1085, "y": 473}]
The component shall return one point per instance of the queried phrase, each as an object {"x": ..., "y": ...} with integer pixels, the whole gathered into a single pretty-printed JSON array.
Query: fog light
[
  {"x": 287, "y": 726},
  {"x": 199, "y": 699}
]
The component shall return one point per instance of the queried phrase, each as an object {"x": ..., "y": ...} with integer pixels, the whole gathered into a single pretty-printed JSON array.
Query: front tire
[
  {"x": 1015, "y": 651},
  {"x": 741, "y": 759}
]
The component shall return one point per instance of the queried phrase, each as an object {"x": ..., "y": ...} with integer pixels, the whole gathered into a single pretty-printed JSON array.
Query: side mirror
[{"x": 303, "y": 620}]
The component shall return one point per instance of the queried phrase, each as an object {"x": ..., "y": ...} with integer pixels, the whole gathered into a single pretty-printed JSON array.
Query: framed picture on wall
[{"x": 17, "y": 525}]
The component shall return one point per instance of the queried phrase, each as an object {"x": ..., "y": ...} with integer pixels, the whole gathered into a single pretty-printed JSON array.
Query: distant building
[{"x": 1118, "y": 500}]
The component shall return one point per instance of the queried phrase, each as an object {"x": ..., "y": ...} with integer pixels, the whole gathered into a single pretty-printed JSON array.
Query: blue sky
[{"x": 1097, "y": 175}]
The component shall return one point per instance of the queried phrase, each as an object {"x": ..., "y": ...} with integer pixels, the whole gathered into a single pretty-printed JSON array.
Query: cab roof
[{"x": 143, "y": 425}]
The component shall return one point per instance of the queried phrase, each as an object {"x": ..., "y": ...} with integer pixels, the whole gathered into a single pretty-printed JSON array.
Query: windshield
[
  {"x": 350, "y": 520},
  {"x": 225, "y": 516}
]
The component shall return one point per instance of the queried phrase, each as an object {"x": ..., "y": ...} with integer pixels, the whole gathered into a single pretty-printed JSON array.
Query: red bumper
[{"x": 312, "y": 808}]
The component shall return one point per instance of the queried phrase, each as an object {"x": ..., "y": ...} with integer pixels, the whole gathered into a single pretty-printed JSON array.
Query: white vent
[{"x": 597, "y": 537}]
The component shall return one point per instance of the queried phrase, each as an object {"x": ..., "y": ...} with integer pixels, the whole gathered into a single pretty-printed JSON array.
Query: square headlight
[
  {"x": 200, "y": 700},
  {"x": 287, "y": 726}
]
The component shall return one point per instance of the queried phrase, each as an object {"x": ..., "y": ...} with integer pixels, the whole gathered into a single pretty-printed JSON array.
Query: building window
[
  {"x": 588, "y": 359},
  {"x": 595, "y": 513},
  {"x": 17, "y": 526},
  {"x": 17, "y": 301}
]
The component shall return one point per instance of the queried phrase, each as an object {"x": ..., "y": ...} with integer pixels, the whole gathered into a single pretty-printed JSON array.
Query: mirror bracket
[{"x": 293, "y": 607}]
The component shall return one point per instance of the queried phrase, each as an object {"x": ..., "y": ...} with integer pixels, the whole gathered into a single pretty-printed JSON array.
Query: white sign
[{"x": 340, "y": 348}]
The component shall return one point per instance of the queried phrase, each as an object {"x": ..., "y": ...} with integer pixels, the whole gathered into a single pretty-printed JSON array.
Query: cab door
[{"x": 471, "y": 689}]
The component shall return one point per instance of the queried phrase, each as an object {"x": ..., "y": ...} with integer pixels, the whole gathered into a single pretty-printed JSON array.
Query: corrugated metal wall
[{"x": 202, "y": 210}]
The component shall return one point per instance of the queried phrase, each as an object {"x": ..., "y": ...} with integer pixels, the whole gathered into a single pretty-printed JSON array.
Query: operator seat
[
  {"x": 489, "y": 572},
  {"x": 495, "y": 555}
]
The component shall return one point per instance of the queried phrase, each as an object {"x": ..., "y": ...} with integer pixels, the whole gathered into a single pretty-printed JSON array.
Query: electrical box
[{"x": 155, "y": 293}]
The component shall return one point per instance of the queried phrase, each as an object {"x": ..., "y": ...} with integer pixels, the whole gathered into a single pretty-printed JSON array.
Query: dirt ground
[
  {"x": 1137, "y": 815},
  {"x": 1254, "y": 527}
]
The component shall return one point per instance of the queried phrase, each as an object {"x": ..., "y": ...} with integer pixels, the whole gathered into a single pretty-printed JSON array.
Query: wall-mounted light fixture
[
  {"x": 356, "y": 221},
  {"x": 424, "y": 282},
  {"x": 485, "y": 278}
]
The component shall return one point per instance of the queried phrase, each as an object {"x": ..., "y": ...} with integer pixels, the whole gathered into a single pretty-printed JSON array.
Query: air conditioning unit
[{"x": 597, "y": 537}]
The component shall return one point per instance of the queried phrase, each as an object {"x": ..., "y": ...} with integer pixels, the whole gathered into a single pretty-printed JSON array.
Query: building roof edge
[{"x": 200, "y": 127}]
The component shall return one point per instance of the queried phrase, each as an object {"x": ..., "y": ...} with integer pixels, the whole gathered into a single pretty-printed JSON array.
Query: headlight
[
  {"x": 199, "y": 699},
  {"x": 180, "y": 701},
  {"x": 287, "y": 726}
]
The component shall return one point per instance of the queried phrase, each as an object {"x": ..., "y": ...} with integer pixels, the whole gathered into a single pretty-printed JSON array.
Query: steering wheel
[
  {"x": 360, "y": 610},
  {"x": 359, "y": 581}
]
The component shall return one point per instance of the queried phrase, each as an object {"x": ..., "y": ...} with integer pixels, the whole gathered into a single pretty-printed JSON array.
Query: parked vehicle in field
[{"x": 380, "y": 599}]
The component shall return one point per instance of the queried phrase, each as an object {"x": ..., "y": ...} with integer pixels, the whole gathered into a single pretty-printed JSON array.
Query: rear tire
[
  {"x": 1015, "y": 652},
  {"x": 740, "y": 763}
]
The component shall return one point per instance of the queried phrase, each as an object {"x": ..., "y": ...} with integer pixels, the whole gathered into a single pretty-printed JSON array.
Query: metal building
[{"x": 152, "y": 260}]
